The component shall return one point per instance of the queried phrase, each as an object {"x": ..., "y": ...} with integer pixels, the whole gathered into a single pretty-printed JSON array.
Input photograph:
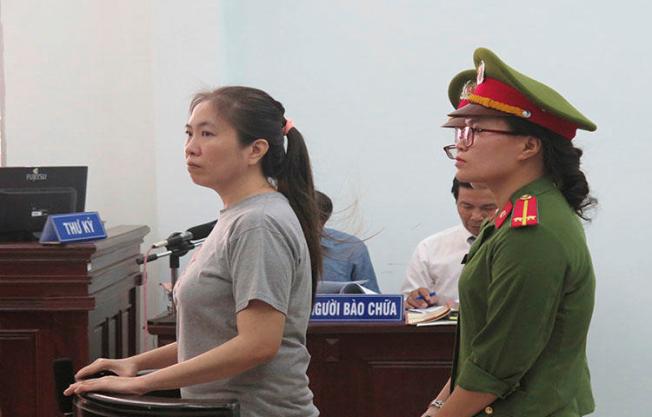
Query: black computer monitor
[{"x": 29, "y": 195}]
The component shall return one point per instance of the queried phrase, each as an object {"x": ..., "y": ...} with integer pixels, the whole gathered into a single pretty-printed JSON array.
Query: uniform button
[{"x": 489, "y": 410}]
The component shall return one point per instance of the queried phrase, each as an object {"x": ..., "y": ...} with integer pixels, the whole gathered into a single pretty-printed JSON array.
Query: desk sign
[
  {"x": 358, "y": 307},
  {"x": 73, "y": 227}
]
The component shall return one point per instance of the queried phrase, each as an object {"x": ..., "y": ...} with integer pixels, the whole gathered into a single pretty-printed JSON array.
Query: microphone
[
  {"x": 195, "y": 232},
  {"x": 63, "y": 377},
  {"x": 202, "y": 231},
  {"x": 174, "y": 239}
]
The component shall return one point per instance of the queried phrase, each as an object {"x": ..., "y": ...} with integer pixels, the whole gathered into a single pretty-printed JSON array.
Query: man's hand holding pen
[{"x": 421, "y": 298}]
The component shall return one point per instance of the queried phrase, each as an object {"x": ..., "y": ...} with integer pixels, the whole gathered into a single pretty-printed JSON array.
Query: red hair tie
[{"x": 289, "y": 124}]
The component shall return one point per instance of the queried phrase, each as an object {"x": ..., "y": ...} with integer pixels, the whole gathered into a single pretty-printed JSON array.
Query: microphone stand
[{"x": 174, "y": 252}]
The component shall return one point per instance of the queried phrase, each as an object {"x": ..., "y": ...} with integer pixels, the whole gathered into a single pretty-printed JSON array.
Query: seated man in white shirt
[{"x": 436, "y": 264}]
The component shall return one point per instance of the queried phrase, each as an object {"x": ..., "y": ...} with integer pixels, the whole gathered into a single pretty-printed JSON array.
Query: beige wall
[{"x": 2, "y": 93}]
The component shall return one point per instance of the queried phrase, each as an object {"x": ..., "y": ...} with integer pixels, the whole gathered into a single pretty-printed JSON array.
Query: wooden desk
[
  {"x": 358, "y": 370},
  {"x": 78, "y": 301}
]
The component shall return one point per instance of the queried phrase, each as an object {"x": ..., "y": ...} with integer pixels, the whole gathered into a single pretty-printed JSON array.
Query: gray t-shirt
[{"x": 257, "y": 250}]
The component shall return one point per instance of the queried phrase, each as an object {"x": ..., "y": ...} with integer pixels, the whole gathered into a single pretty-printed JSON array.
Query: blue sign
[
  {"x": 73, "y": 227},
  {"x": 358, "y": 307}
]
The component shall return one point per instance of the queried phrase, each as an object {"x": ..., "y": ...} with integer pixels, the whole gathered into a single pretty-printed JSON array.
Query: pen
[{"x": 420, "y": 297}]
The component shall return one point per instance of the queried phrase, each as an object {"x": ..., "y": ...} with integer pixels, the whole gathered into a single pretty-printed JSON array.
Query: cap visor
[
  {"x": 472, "y": 109},
  {"x": 454, "y": 122}
]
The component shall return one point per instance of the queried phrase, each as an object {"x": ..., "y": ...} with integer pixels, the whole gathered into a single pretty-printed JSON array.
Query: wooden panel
[
  {"x": 370, "y": 370},
  {"x": 76, "y": 301},
  {"x": 405, "y": 387},
  {"x": 164, "y": 328},
  {"x": 18, "y": 370},
  {"x": 374, "y": 373},
  {"x": 134, "y": 327},
  {"x": 114, "y": 319},
  {"x": 111, "y": 337},
  {"x": 96, "y": 336}
]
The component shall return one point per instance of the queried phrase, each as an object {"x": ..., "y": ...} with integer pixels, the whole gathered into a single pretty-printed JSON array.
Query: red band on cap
[{"x": 502, "y": 93}]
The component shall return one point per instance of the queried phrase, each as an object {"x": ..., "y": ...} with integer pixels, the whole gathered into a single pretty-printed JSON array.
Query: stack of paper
[
  {"x": 427, "y": 316},
  {"x": 338, "y": 287}
]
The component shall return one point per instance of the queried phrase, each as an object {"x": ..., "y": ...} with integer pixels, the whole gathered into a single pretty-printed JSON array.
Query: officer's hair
[
  {"x": 561, "y": 161},
  {"x": 456, "y": 187}
]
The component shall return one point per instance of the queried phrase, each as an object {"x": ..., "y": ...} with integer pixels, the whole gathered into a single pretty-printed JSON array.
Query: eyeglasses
[
  {"x": 466, "y": 135},
  {"x": 451, "y": 151}
]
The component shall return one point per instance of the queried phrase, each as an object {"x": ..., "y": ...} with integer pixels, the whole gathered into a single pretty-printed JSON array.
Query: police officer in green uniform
[{"x": 527, "y": 289}]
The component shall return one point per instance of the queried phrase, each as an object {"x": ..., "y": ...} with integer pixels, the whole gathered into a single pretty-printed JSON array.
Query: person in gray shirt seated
[
  {"x": 244, "y": 301},
  {"x": 346, "y": 257}
]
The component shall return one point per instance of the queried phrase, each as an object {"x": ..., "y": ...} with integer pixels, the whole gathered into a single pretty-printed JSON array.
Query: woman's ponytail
[{"x": 295, "y": 182}]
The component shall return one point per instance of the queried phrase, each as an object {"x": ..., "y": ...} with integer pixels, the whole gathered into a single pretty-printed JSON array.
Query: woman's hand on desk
[
  {"x": 117, "y": 384},
  {"x": 96, "y": 377},
  {"x": 120, "y": 367}
]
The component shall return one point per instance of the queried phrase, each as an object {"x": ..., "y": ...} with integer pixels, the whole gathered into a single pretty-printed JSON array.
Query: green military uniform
[
  {"x": 527, "y": 289},
  {"x": 526, "y": 298}
]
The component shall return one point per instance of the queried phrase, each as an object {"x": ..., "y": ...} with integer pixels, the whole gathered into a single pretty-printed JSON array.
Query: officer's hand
[{"x": 420, "y": 298}]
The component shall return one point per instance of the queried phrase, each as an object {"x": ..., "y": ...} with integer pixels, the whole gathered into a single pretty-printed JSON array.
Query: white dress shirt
[{"x": 437, "y": 262}]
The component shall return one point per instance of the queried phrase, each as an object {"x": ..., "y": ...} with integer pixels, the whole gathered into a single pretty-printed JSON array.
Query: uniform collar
[
  {"x": 486, "y": 231},
  {"x": 537, "y": 187}
]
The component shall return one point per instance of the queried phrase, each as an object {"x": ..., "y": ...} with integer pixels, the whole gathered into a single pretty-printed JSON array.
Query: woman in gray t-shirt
[{"x": 244, "y": 301}]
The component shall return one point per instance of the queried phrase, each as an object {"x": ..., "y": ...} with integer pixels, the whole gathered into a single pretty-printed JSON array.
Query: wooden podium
[
  {"x": 77, "y": 300},
  {"x": 359, "y": 369}
]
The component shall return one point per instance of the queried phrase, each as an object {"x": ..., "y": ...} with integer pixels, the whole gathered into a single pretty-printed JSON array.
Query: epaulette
[{"x": 525, "y": 211}]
